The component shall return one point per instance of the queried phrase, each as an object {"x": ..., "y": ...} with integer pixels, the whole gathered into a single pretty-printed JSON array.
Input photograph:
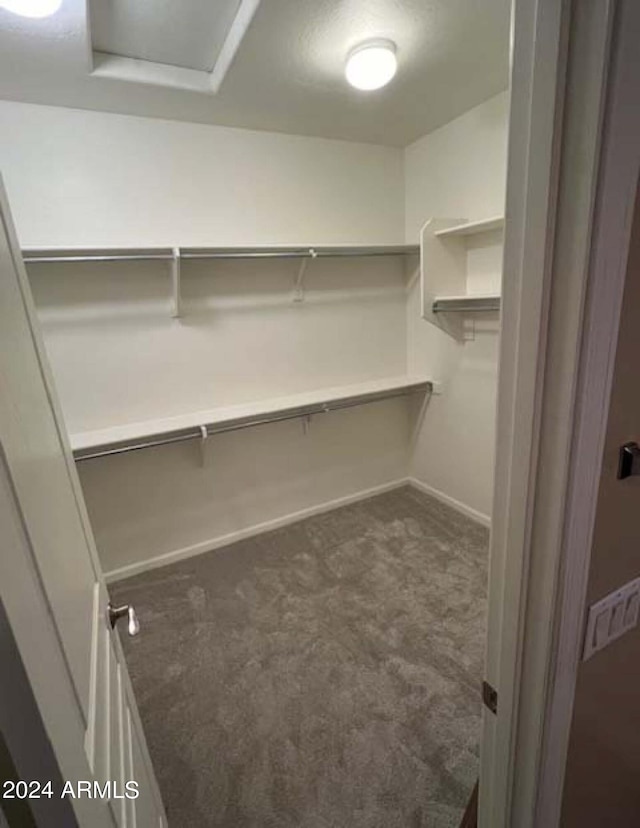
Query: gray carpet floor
[{"x": 323, "y": 675}]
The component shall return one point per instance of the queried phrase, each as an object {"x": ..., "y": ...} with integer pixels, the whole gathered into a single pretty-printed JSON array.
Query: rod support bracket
[
  {"x": 298, "y": 285},
  {"x": 204, "y": 435},
  {"x": 176, "y": 309}
]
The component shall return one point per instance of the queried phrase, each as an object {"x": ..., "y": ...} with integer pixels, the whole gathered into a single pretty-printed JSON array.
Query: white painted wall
[
  {"x": 90, "y": 179},
  {"x": 119, "y": 357},
  {"x": 458, "y": 171},
  {"x": 77, "y": 178},
  {"x": 161, "y": 504}
]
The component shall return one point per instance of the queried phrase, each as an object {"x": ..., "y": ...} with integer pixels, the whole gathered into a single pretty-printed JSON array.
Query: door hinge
[{"x": 489, "y": 697}]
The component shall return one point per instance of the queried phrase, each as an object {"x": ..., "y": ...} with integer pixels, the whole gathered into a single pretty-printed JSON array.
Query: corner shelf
[
  {"x": 460, "y": 270},
  {"x": 201, "y": 424},
  {"x": 465, "y": 304},
  {"x": 472, "y": 228}
]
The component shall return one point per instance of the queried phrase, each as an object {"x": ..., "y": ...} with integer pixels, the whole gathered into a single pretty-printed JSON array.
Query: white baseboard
[
  {"x": 257, "y": 529},
  {"x": 479, "y": 517}
]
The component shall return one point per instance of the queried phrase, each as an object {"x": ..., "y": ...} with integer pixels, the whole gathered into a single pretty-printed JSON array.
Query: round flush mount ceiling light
[
  {"x": 372, "y": 64},
  {"x": 31, "y": 8}
]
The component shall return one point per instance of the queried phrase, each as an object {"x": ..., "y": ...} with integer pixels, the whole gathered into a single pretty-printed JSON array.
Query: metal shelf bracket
[
  {"x": 176, "y": 308},
  {"x": 298, "y": 285},
  {"x": 204, "y": 434}
]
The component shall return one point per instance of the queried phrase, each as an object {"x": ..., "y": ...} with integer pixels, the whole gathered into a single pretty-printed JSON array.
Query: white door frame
[
  {"x": 610, "y": 239},
  {"x": 568, "y": 208}
]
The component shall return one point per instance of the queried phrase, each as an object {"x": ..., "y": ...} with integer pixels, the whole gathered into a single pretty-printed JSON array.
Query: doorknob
[{"x": 114, "y": 614}]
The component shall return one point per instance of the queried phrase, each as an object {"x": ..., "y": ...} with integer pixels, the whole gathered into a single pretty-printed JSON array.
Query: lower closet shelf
[{"x": 119, "y": 439}]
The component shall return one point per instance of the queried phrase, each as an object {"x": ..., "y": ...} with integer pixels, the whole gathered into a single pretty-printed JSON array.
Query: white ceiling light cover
[
  {"x": 372, "y": 65},
  {"x": 31, "y": 8}
]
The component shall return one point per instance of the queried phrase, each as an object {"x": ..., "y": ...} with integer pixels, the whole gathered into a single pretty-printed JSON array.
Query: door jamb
[
  {"x": 562, "y": 52},
  {"x": 614, "y": 213}
]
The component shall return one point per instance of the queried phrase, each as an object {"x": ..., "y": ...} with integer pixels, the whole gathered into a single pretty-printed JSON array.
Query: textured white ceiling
[{"x": 287, "y": 75}]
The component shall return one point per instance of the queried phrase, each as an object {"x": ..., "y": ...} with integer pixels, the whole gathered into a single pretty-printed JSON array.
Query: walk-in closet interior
[{"x": 270, "y": 304}]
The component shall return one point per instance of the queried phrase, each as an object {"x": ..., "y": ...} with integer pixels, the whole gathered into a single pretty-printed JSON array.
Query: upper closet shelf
[
  {"x": 466, "y": 304},
  {"x": 202, "y": 424},
  {"x": 472, "y": 228},
  {"x": 460, "y": 271},
  {"x": 176, "y": 256},
  {"x": 41, "y": 256}
]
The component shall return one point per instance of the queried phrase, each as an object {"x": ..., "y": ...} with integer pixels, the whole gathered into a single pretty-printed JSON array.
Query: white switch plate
[{"x": 612, "y": 616}]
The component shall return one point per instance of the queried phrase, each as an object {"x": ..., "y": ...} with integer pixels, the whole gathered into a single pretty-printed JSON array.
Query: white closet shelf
[
  {"x": 42, "y": 256},
  {"x": 469, "y": 303},
  {"x": 119, "y": 439},
  {"x": 472, "y": 228}
]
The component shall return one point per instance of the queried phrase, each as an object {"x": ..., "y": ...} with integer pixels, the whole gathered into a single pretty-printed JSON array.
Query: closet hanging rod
[
  {"x": 91, "y": 255},
  {"x": 294, "y": 413},
  {"x": 298, "y": 253},
  {"x": 97, "y": 257}
]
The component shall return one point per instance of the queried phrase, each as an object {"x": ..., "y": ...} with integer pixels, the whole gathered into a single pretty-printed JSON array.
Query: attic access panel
[{"x": 186, "y": 44}]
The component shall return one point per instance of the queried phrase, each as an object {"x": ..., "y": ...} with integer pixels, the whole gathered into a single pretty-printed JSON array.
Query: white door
[{"x": 51, "y": 583}]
